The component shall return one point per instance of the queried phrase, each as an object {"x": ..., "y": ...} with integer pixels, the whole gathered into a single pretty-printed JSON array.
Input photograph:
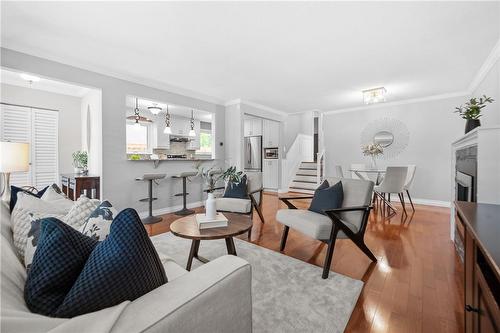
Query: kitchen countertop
[{"x": 175, "y": 159}]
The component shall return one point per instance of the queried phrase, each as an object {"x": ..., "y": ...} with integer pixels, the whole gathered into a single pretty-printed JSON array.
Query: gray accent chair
[
  {"x": 347, "y": 222},
  {"x": 245, "y": 206}
]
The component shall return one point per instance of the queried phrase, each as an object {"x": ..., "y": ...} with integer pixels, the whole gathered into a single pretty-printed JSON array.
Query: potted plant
[
  {"x": 211, "y": 176},
  {"x": 372, "y": 150},
  {"x": 80, "y": 160},
  {"x": 471, "y": 111}
]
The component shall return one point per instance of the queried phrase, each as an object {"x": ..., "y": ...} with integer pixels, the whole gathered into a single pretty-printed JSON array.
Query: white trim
[
  {"x": 256, "y": 105},
  {"x": 166, "y": 210},
  {"x": 488, "y": 64},
  {"x": 402, "y": 102}
]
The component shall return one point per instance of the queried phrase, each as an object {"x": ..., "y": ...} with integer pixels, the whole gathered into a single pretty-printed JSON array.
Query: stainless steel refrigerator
[{"x": 253, "y": 153}]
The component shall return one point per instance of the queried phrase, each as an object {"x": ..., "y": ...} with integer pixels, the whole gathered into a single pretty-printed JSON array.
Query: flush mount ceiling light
[
  {"x": 191, "y": 131},
  {"x": 29, "y": 77},
  {"x": 168, "y": 129},
  {"x": 155, "y": 109},
  {"x": 375, "y": 95}
]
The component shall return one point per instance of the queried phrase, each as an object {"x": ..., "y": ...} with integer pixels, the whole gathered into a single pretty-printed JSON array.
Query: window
[
  {"x": 138, "y": 138},
  {"x": 205, "y": 142}
]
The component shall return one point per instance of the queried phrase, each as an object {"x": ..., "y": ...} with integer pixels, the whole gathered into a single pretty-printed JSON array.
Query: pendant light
[
  {"x": 136, "y": 114},
  {"x": 168, "y": 129},
  {"x": 191, "y": 131},
  {"x": 155, "y": 109}
]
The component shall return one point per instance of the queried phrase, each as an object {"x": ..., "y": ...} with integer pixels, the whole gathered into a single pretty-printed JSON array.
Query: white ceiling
[
  {"x": 58, "y": 87},
  {"x": 291, "y": 56}
]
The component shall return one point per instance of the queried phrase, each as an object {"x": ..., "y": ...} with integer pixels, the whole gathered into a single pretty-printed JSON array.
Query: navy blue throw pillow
[
  {"x": 58, "y": 260},
  {"x": 14, "y": 190},
  {"x": 327, "y": 197},
  {"x": 123, "y": 267},
  {"x": 237, "y": 190}
]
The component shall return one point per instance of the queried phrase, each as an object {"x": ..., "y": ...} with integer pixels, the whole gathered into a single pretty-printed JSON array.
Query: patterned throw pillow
[
  {"x": 76, "y": 218},
  {"x": 123, "y": 267},
  {"x": 99, "y": 222},
  {"x": 61, "y": 255}
]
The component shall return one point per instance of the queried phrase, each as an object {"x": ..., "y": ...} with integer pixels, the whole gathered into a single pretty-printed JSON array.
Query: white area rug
[{"x": 288, "y": 295}]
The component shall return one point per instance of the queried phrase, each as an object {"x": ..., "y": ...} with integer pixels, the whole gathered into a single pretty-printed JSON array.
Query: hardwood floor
[{"x": 417, "y": 284}]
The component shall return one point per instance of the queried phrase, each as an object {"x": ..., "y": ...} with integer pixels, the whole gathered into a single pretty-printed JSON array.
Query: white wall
[
  {"x": 69, "y": 117},
  {"x": 92, "y": 102},
  {"x": 234, "y": 136},
  {"x": 118, "y": 174},
  {"x": 490, "y": 86},
  {"x": 432, "y": 126}
]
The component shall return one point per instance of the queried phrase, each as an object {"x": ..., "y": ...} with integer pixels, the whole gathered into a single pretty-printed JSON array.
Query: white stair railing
[{"x": 320, "y": 166}]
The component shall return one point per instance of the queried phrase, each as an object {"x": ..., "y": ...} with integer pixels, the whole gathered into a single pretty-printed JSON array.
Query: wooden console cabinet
[
  {"x": 479, "y": 225},
  {"x": 74, "y": 185}
]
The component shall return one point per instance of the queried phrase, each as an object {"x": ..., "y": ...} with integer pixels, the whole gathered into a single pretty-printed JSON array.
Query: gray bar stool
[
  {"x": 150, "y": 219},
  {"x": 184, "y": 175}
]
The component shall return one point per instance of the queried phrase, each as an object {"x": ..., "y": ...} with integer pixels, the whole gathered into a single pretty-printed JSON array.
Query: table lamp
[{"x": 14, "y": 157}]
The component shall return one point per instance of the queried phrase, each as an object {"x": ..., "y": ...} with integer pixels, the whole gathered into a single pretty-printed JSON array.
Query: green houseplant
[
  {"x": 471, "y": 111},
  {"x": 80, "y": 160}
]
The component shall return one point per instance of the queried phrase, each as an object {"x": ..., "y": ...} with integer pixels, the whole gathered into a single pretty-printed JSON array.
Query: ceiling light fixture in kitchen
[
  {"x": 191, "y": 131},
  {"x": 375, "y": 95},
  {"x": 136, "y": 113},
  {"x": 155, "y": 109},
  {"x": 168, "y": 129}
]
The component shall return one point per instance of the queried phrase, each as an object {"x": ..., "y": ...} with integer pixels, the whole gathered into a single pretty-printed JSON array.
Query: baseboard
[
  {"x": 427, "y": 202},
  {"x": 166, "y": 210}
]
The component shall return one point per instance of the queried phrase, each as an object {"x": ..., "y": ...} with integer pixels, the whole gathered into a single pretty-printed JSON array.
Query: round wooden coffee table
[{"x": 187, "y": 227}]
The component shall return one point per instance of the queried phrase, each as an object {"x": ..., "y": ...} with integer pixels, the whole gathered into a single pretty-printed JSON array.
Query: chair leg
[
  {"x": 402, "y": 199},
  {"x": 284, "y": 237},
  {"x": 362, "y": 246},
  {"x": 411, "y": 202},
  {"x": 329, "y": 252}
]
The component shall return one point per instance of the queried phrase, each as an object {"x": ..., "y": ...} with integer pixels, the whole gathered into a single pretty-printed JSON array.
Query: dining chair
[
  {"x": 346, "y": 222},
  {"x": 339, "y": 171},
  {"x": 359, "y": 175},
  {"x": 410, "y": 176},
  {"x": 394, "y": 182}
]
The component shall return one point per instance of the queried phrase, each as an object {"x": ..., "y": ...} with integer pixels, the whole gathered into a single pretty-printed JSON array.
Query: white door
[
  {"x": 39, "y": 128},
  {"x": 15, "y": 126},
  {"x": 44, "y": 146}
]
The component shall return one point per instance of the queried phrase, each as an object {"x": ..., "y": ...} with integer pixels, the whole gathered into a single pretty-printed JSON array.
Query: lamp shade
[{"x": 14, "y": 156}]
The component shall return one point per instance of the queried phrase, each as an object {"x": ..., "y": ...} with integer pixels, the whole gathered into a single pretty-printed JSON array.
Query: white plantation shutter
[
  {"x": 39, "y": 128},
  {"x": 44, "y": 147},
  {"x": 15, "y": 126}
]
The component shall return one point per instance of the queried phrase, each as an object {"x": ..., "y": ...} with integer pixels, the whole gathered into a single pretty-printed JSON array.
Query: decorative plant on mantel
[
  {"x": 80, "y": 160},
  {"x": 471, "y": 111},
  {"x": 372, "y": 150}
]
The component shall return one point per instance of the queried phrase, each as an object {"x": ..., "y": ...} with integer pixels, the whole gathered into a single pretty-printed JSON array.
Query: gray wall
[
  {"x": 69, "y": 117},
  {"x": 432, "y": 126},
  {"x": 118, "y": 174},
  {"x": 490, "y": 86}
]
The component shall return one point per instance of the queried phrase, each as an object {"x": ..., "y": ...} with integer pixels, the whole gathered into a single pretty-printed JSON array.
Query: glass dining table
[{"x": 364, "y": 173}]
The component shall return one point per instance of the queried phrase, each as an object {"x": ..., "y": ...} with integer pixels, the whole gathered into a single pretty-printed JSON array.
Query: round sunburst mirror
[{"x": 391, "y": 134}]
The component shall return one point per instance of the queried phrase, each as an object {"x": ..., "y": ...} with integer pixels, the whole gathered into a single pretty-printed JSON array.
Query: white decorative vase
[{"x": 210, "y": 210}]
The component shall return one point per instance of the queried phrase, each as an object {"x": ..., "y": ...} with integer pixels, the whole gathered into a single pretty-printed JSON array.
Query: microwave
[{"x": 270, "y": 153}]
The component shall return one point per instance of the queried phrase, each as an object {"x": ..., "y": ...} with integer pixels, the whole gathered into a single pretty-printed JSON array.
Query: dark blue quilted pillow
[
  {"x": 237, "y": 190},
  {"x": 327, "y": 197},
  {"x": 123, "y": 267},
  {"x": 14, "y": 190},
  {"x": 58, "y": 260}
]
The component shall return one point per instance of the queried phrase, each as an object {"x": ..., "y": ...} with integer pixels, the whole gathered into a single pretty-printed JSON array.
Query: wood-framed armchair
[
  {"x": 245, "y": 206},
  {"x": 347, "y": 222}
]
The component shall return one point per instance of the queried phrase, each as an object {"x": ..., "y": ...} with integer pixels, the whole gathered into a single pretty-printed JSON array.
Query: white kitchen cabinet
[
  {"x": 180, "y": 126},
  {"x": 270, "y": 174},
  {"x": 252, "y": 126},
  {"x": 163, "y": 140},
  {"x": 270, "y": 134}
]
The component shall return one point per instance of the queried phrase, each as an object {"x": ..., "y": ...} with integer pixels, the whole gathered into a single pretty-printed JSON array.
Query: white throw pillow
[
  {"x": 80, "y": 211},
  {"x": 21, "y": 219},
  {"x": 57, "y": 197}
]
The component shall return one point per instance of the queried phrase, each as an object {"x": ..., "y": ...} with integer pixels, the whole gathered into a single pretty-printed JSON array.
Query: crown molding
[
  {"x": 486, "y": 67},
  {"x": 257, "y": 106},
  {"x": 402, "y": 102}
]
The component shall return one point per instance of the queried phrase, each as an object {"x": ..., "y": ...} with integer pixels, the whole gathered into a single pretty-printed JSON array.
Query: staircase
[{"x": 306, "y": 178}]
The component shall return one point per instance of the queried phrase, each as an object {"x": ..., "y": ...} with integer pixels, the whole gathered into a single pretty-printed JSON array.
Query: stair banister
[{"x": 320, "y": 166}]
